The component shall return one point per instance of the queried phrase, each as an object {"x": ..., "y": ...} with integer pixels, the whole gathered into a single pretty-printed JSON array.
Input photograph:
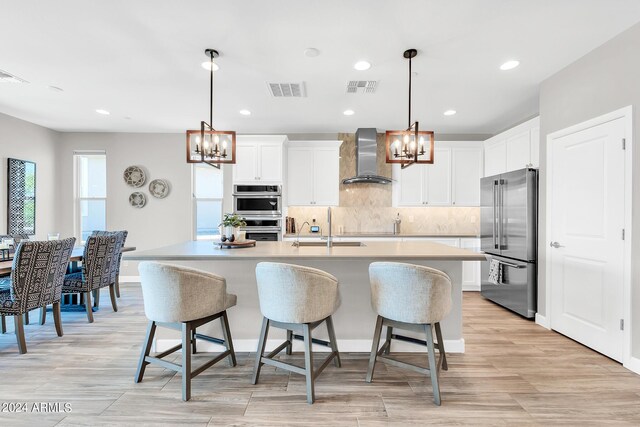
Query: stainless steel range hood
[{"x": 366, "y": 164}]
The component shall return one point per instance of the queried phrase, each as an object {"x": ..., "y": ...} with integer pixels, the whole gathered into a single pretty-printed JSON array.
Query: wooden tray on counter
[{"x": 232, "y": 245}]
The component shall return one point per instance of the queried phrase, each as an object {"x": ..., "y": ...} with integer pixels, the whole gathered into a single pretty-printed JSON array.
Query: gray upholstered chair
[
  {"x": 297, "y": 299},
  {"x": 36, "y": 281},
  {"x": 409, "y": 297},
  {"x": 99, "y": 270},
  {"x": 124, "y": 234},
  {"x": 184, "y": 299}
]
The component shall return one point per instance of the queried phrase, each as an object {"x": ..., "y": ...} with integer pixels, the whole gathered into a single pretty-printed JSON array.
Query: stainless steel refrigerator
[{"x": 509, "y": 236}]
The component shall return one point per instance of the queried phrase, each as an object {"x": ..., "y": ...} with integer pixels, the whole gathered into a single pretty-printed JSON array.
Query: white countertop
[
  {"x": 383, "y": 234},
  {"x": 392, "y": 250}
]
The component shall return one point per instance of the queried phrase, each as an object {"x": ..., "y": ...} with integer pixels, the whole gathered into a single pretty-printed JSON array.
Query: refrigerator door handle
[
  {"x": 495, "y": 214},
  {"x": 499, "y": 214},
  {"x": 508, "y": 264}
]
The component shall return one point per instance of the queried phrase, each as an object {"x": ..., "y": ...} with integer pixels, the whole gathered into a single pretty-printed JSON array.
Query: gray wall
[
  {"x": 606, "y": 79},
  {"x": 162, "y": 221},
  {"x": 26, "y": 141}
]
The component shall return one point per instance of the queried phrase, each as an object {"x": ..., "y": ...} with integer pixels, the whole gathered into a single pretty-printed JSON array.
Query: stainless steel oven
[
  {"x": 257, "y": 200},
  {"x": 263, "y": 228}
]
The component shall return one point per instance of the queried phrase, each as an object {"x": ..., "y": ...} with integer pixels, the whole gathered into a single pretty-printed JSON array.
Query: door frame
[{"x": 626, "y": 114}]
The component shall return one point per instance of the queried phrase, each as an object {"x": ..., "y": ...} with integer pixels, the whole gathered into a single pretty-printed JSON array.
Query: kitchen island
[{"x": 354, "y": 320}]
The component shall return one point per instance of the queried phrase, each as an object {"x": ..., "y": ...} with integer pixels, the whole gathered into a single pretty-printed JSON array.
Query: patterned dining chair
[
  {"x": 124, "y": 234},
  {"x": 36, "y": 280},
  {"x": 99, "y": 268}
]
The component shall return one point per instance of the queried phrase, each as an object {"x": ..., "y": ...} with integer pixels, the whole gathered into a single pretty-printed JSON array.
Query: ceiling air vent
[
  {"x": 362, "y": 86},
  {"x": 6, "y": 77},
  {"x": 287, "y": 90}
]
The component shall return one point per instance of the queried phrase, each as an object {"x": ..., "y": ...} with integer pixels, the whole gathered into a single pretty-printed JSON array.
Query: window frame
[
  {"x": 195, "y": 200},
  {"x": 77, "y": 199}
]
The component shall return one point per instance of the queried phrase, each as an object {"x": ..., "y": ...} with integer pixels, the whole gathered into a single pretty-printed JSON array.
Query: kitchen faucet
[{"x": 297, "y": 242}]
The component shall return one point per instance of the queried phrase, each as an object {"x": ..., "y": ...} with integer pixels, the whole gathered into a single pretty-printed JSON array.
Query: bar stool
[
  {"x": 184, "y": 299},
  {"x": 414, "y": 298},
  {"x": 297, "y": 299}
]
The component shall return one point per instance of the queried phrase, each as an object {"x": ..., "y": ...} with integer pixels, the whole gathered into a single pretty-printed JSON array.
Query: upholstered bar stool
[
  {"x": 184, "y": 299},
  {"x": 297, "y": 299},
  {"x": 414, "y": 298}
]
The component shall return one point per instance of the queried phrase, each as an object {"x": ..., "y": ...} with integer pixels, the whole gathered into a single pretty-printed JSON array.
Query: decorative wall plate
[
  {"x": 134, "y": 176},
  {"x": 159, "y": 188},
  {"x": 137, "y": 200}
]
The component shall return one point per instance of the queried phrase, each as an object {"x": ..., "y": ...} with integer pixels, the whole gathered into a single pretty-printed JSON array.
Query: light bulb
[
  {"x": 224, "y": 144},
  {"x": 405, "y": 138},
  {"x": 216, "y": 139}
]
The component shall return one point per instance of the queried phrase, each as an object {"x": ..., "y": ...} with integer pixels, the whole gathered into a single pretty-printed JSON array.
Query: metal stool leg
[
  {"x": 308, "y": 363},
  {"x": 433, "y": 365},
  {"x": 262, "y": 342},
  {"x": 186, "y": 361},
  {"x": 374, "y": 349},
  {"x": 228, "y": 342},
  {"x": 333, "y": 342}
]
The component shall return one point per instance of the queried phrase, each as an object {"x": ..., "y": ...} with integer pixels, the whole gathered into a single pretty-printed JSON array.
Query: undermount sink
[{"x": 325, "y": 244}]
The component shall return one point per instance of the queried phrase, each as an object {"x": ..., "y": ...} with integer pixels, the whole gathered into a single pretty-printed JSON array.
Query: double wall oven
[{"x": 261, "y": 208}]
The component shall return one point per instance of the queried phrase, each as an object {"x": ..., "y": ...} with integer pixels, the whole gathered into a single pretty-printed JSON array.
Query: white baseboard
[
  {"x": 345, "y": 346},
  {"x": 542, "y": 321},
  {"x": 471, "y": 288},
  {"x": 633, "y": 364},
  {"x": 129, "y": 279}
]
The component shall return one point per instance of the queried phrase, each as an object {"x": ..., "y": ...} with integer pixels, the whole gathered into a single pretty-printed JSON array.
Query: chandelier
[
  {"x": 208, "y": 145},
  {"x": 411, "y": 145}
]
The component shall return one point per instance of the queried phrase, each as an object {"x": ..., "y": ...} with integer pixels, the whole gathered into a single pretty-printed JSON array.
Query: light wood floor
[{"x": 513, "y": 372}]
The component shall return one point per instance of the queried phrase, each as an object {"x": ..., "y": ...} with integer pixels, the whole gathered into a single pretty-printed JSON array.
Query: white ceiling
[{"x": 140, "y": 60}]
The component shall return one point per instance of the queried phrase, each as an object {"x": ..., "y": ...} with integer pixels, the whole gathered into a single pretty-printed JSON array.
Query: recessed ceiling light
[
  {"x": 245, "y": 112},
  {"x": 450, "y": 112},
  {"x": 311, "y": 52},
  {"x": 362, "y": 65},
  {"x": 103, "y": 112},
  {"x": 509, "y": 65},
  {"x": 349, "y": 112},
  {"x": 207, "y": 66}
]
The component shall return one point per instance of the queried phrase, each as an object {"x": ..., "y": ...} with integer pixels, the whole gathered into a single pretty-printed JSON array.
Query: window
[
  {"x": 207, "y": 201},
  {"x": 90, "y": 193}
]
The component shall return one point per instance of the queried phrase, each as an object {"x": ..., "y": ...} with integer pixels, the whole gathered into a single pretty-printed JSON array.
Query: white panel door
[
  {"x": 300, "y": 177},
  {"x": 438, "y": 178},
  {"x": 467, "y": 171},
  {"x": 586, "y": 220},
  {"x": 326, "y": 177},
  {"x": 495, "y": 158},
  {"x": 518, "y": 151},
  {"x": 246, "y": 167},
  {"x": 411, "y": 182},
  {"x": 270, "y": 161}
]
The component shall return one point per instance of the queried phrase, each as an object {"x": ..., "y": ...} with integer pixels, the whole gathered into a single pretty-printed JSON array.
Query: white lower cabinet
[
  {"x": 471, "y": 273},
  {"x": 470, "y": 269}
]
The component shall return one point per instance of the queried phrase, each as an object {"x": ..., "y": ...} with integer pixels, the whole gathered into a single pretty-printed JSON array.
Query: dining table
[{"x": 76, "y": 257}]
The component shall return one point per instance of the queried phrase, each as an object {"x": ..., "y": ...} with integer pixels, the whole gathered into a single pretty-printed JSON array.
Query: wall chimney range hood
[{"x": 366, "y": 163}]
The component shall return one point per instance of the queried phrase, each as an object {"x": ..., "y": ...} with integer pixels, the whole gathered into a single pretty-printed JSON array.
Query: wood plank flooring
[{"x": 513, "y": 372}]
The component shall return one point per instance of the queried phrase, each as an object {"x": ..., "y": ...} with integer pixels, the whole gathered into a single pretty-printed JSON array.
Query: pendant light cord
[
  {"x": 409, "y": 125},
  {"x": 211, "y": 94}
]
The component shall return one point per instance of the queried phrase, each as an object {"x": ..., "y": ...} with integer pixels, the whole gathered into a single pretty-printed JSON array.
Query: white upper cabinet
[
  {"x": 495, "y": 157},
  {"x": 453, "y": 178},
  {"x": 519, "y": 150},
  {"x": 513, "y": 149},
  {"x": 313, "y": 173},
  {"x": 259, "y": 159},
  {"x": 438, "y": 178},
  {"x": 467, "y": 171}
]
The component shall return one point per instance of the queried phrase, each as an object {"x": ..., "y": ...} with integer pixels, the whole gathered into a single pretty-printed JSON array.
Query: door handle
[
  {"x": 556, "y": 245},
  {"x": 508, "y": 264},
  {"x": 495, "y": 213}
]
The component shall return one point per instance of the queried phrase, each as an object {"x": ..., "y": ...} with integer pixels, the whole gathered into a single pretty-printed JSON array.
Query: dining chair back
[
  {"x": 124, "y": 234},
  {"x": 36, "y": 281}
]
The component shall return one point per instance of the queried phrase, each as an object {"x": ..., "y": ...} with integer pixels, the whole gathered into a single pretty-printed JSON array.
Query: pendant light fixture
[
  {"x": 411, "y": 145},
  {"x": 208, "y": 145}
]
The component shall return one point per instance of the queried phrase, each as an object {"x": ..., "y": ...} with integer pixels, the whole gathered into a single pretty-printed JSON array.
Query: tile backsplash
[{"x": 366, "y": 208}]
